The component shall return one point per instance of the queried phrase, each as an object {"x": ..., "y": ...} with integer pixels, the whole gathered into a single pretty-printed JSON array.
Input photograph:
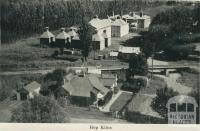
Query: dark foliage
[
  {"x": 160, "y": 101},
  {"x": 23, "y": 18},
  {"x": 138, "y": 65},
  {"x": 40, "y": 110}
]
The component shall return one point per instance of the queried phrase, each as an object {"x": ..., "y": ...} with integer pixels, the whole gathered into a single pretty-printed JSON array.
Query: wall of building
[
  {"x": 116, "y": 31},
  {"x": 124, "y": 30}
]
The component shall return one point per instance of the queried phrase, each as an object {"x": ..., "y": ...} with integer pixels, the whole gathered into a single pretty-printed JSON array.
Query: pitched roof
[
  {"x": 69, "y": 77},
  {"x": 62, "y": 35},
  {"x": 107, "y": 82},
  {"x": 72, "y": 33},
  {"x": 32, "y": 86},
  {"x": 81, "y": 86},
  {"x": 124, "y": 49},
  {"x": 97, "y": 84},
  {"x": 47, "y": 34},
  {"x": 119, "y": 22},
  {"x": 100, "y": 23},
  {"x": 76, "y": 37},
  {"x": 142, "y": 103},
  {"x": 121, "y": 101}
]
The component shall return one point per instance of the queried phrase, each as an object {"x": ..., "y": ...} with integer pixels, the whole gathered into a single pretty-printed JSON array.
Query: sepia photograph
[{"x": 100, "y": 62}]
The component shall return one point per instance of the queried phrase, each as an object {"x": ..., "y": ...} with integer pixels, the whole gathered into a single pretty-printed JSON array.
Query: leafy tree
[
  {"x": 86, "y": 33},
  {"x": 138, "y": 65},
  {"x": 160, "y": 101},
  {"x": 40, "y": 109},
  {"x": 52, "y": 81}
]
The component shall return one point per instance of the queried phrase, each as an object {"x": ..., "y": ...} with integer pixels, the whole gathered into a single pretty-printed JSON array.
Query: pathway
[
  {"x": 172, "y": 83},
  {"x": 106, "y": 108}
]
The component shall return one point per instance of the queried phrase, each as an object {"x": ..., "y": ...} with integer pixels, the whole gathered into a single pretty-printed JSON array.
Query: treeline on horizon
[{"x": 23, "y": 18}]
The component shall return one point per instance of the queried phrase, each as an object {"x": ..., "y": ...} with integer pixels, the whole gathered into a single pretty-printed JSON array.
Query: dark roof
[
  {"x": 81, "y": 86},
  {"x": 97, "y": 84},
  {"x": 122, "y": 101},
  {"x": 107, "y": 82},
  {"x": 32, "y": 86}
]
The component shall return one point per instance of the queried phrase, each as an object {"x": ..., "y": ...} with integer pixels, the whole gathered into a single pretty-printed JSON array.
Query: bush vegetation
[{"x": 40, "y": 109}]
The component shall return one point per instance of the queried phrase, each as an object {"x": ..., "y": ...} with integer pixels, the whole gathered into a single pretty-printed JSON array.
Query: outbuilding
[
  {"x": 126, "y": 52},
  {"x": 103, "y": 30},
  {"x": 119, "y": 28},
  {"x": 47, "y": 38},
  {"x": 29, "y": 91},
  {"x": 62, "y": 39}
]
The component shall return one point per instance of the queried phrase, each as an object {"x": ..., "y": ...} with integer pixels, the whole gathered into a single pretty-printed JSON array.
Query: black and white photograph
[{"x": 100, "y": 61}]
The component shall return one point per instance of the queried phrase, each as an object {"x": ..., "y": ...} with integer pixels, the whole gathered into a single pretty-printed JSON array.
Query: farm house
[
  {"x": 103, "y": 29},
  {"x": 47, "y": 37},
  {"x": 137, "y": 21},
  {"x": 119, "y": 28},
  {"x": 62, "y": 39}
]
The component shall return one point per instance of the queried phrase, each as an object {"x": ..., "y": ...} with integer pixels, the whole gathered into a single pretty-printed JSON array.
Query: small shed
[
  {"x": 62, "y": 39},
  {"x": 113, "y": 55},
  {"x": 119, "y": 28},
  {"x": 72, "y": 33},
  {"x": 126, "y": 52},
  {"x": 76, "y": 43},
  {"x": 98, "y": 42},
  {"x": 29, "y": 91},
  {"x": 47, "y": 37}
]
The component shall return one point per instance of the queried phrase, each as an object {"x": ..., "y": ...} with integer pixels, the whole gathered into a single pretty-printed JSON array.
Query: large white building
[
  {"x": 137, "y": 21},
  {"x": 103, "y": 31},
  {"x": 119, "y": 28}
]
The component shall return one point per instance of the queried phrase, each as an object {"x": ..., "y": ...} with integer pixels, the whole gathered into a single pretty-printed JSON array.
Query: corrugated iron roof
[
  {"x": 32, "y": 86},
  {"x": 62, "y": 35},
  {"x": 47, "y": 34},
  {"x": 97, "y": 84},
  {"x": 119, "y": 22},
  {"x": 124, "y": 49},
  {"x": 100, "y": 23}
]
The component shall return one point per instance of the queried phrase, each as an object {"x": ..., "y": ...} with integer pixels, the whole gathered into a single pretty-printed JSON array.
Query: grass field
[{"x": 27, "y": 53}]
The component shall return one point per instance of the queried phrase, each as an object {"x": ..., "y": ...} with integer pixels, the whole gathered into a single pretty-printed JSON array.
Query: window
[
  {"x": 104, "y": 31},
  {"x": 173, "y": 107},
  {"x": 190, "y": 107},
  {"x": 182, "y": 107}
]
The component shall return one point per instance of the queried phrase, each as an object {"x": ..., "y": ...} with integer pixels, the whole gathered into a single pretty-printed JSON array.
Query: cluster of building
[
  {"x": 113, "y": 26},
  {"x": 84, "y": 89}
]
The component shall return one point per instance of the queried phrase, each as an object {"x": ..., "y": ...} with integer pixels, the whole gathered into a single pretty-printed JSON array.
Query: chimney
[
  {"x": 141, "y": 14},
  {"x": 62, "y": 29},
  {"x": 133, "y": 14},
  {"x": 46, "y": 28},
  {"x": 113, "y": 13},
  {"x": 96, "y": 16}
]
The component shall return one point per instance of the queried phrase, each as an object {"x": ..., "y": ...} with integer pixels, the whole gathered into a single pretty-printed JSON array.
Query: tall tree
[
  {"x": 160, "y": 101},
  {"x": 86, "y": 31},
  {"x": 138, "y": 65}
]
